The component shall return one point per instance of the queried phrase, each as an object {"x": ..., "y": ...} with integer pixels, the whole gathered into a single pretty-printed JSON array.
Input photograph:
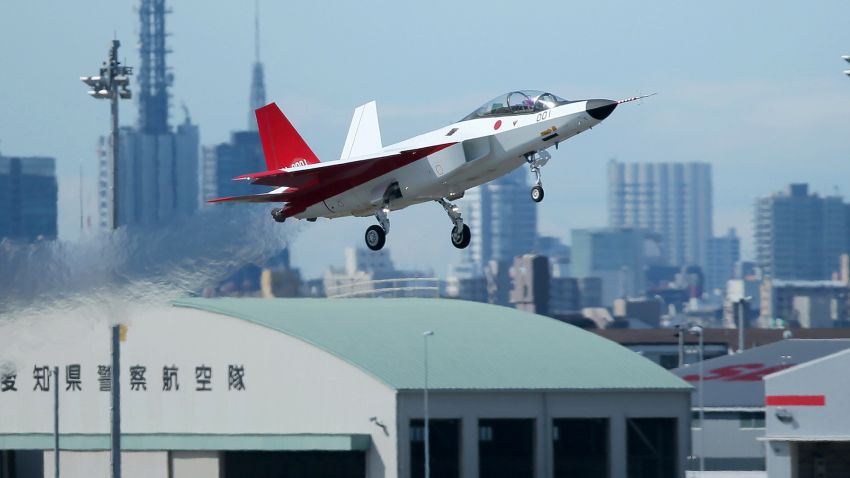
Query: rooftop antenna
[{"x": 257, "y": 97}]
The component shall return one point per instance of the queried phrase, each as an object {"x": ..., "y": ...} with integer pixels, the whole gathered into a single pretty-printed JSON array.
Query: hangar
[
  {"x": 334, "y": 388},
  {"x": 808, "y": 419}
]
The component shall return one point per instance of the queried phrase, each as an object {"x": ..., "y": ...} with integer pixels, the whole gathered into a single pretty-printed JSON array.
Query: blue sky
[{"x": 755, "y": 88}]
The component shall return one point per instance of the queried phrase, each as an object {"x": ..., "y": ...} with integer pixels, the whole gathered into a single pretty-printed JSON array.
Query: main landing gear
[
  {"x": 537, "y": 160},
  {"x": 376, "y": 235},
  {"x": 277, "y": 214},
  {"x": 461, "y": 235}
]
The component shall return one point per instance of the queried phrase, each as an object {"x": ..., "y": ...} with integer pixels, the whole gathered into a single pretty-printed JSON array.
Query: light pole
[
  {"x": 847, "y": 59},
  {"x": 56, "y": 422},
  {"x": 742, "y": 302},
  {"x": 680, "y": 336},
  {"x": 425, "y": 335},
  {"x": 112, "y": 84},
  {"x": 698, "y": 330}
]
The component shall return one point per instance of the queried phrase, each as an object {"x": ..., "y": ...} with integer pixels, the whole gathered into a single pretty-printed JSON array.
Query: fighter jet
[{"x": 371, "y": 179}]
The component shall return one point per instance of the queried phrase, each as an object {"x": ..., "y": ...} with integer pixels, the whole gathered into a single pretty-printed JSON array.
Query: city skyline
[{"x": 791, "y": 126}]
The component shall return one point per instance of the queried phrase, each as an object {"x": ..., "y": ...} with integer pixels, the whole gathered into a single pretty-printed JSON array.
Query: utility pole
[{"x": 112, "y": 84}]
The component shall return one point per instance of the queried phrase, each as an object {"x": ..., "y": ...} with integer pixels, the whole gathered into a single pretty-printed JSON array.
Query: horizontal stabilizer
[
  {"x": 266, "y": 197},
  {"x": 364, "y": 134}
]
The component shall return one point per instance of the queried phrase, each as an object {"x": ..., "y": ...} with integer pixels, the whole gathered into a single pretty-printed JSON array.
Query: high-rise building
[
  {"x": 670, "y": 199},
  {"x": 530, "y": 283},
  {"x": 616, "y": 255},
  {"x": 800, "y": 235},
  {"x": 804, "y": 303},
  {"x": 222, "y": 162},
  {"x": 502, "y": 219},
  {"x": 244, "y": 153},
  {"x": 28, "y": 198},
  {"x": 157, "y": 167},
  {"x": 722, "y": 255}
]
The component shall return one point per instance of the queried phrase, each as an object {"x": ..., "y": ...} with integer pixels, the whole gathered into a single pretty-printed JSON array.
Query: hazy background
[{"x": 755, "y": 88}]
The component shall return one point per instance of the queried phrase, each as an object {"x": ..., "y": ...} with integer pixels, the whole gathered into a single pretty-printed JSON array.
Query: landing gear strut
[
  {"x": 537, "y": 160},
  {"x": 376, "y": 236},
  {"x": 277, "y": 214},
  {"x": 461, "y": 235}
]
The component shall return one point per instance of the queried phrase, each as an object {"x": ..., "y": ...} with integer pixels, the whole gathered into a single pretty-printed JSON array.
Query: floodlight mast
[{"x": 113, "y": 84}]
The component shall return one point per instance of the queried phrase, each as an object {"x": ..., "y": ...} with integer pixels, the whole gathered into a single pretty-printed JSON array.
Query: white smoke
[{"x": 130, "y": 268}]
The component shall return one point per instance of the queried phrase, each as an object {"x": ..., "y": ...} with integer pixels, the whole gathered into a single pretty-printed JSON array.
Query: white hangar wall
[{"x": 290, "y": 387}]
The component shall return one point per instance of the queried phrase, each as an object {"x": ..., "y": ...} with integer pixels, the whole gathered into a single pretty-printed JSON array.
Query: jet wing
[
  {"x": 316, "y": 182},
  {"x": 338, "y": 170}
]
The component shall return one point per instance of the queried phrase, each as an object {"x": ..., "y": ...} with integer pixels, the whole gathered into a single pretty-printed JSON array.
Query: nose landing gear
[
  {"x": 376, "y": 235},
  {"x": 537, "y": 193},
  {"x": 537, "y": 160},
  {"x": 461, "y": 235}
]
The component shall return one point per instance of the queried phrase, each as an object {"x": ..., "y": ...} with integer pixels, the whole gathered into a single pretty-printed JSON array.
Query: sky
[{"x": 754, "y": 88}]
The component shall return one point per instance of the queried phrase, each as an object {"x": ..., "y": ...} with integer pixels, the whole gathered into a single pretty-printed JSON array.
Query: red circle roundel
[{"x": 498, "y": 124}]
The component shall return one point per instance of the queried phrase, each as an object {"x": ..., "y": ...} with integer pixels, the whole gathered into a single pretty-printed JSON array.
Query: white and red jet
[{"x": 371, "y": 179}]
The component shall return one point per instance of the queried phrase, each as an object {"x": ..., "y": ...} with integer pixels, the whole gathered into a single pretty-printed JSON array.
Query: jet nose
[{"x": 600, "y": 109}]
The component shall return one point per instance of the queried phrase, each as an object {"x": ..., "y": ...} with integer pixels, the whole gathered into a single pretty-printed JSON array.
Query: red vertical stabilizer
[{"x": 282, "y": 145}]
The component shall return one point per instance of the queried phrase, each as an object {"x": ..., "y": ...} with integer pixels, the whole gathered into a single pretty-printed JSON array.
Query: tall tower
[
  {"x": 157, "y": 165},
  {"x": 154, "y": 78},
  {"x": 258, "y": 85}
]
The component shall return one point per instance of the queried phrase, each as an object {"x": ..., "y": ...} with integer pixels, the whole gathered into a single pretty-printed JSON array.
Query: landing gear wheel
[
  {"x": 277, "y": 214},
  {"x": 375, "y": 237},
  {"x": 461, "y": 240},
  {"x": 537, "y": 193}
]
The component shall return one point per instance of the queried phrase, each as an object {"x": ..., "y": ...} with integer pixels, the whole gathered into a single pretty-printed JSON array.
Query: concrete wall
[
  {"x": 469, "y": 407},
  {"x": 727, "y": 445},
  {"x": 291, "y": 387},
  {"x": 195, "y": 464},
  {"x": 83, "y": 464},
  {"x": 145, "y": 464}
]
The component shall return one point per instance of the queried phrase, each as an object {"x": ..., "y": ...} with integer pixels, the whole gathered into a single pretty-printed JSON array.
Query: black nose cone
[{"x": 600, "y": 109}]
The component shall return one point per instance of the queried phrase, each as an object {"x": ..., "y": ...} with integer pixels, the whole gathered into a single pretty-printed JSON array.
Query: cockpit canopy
[{"x": 517, "y": 103}]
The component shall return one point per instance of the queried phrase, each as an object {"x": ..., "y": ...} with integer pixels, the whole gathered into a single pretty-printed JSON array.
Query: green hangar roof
[{"x": 474, "y": 346}]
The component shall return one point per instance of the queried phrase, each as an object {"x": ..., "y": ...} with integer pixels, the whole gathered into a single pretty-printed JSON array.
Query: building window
[
  {"x": 580, "y": 447},
  {"x": 695, "y": 421},
  {"x": 506, "y": 448},
  {"x": 752, "y": 419},
  {"x": 444, "y": 440},
  {"x": 651, "y": 447}
]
